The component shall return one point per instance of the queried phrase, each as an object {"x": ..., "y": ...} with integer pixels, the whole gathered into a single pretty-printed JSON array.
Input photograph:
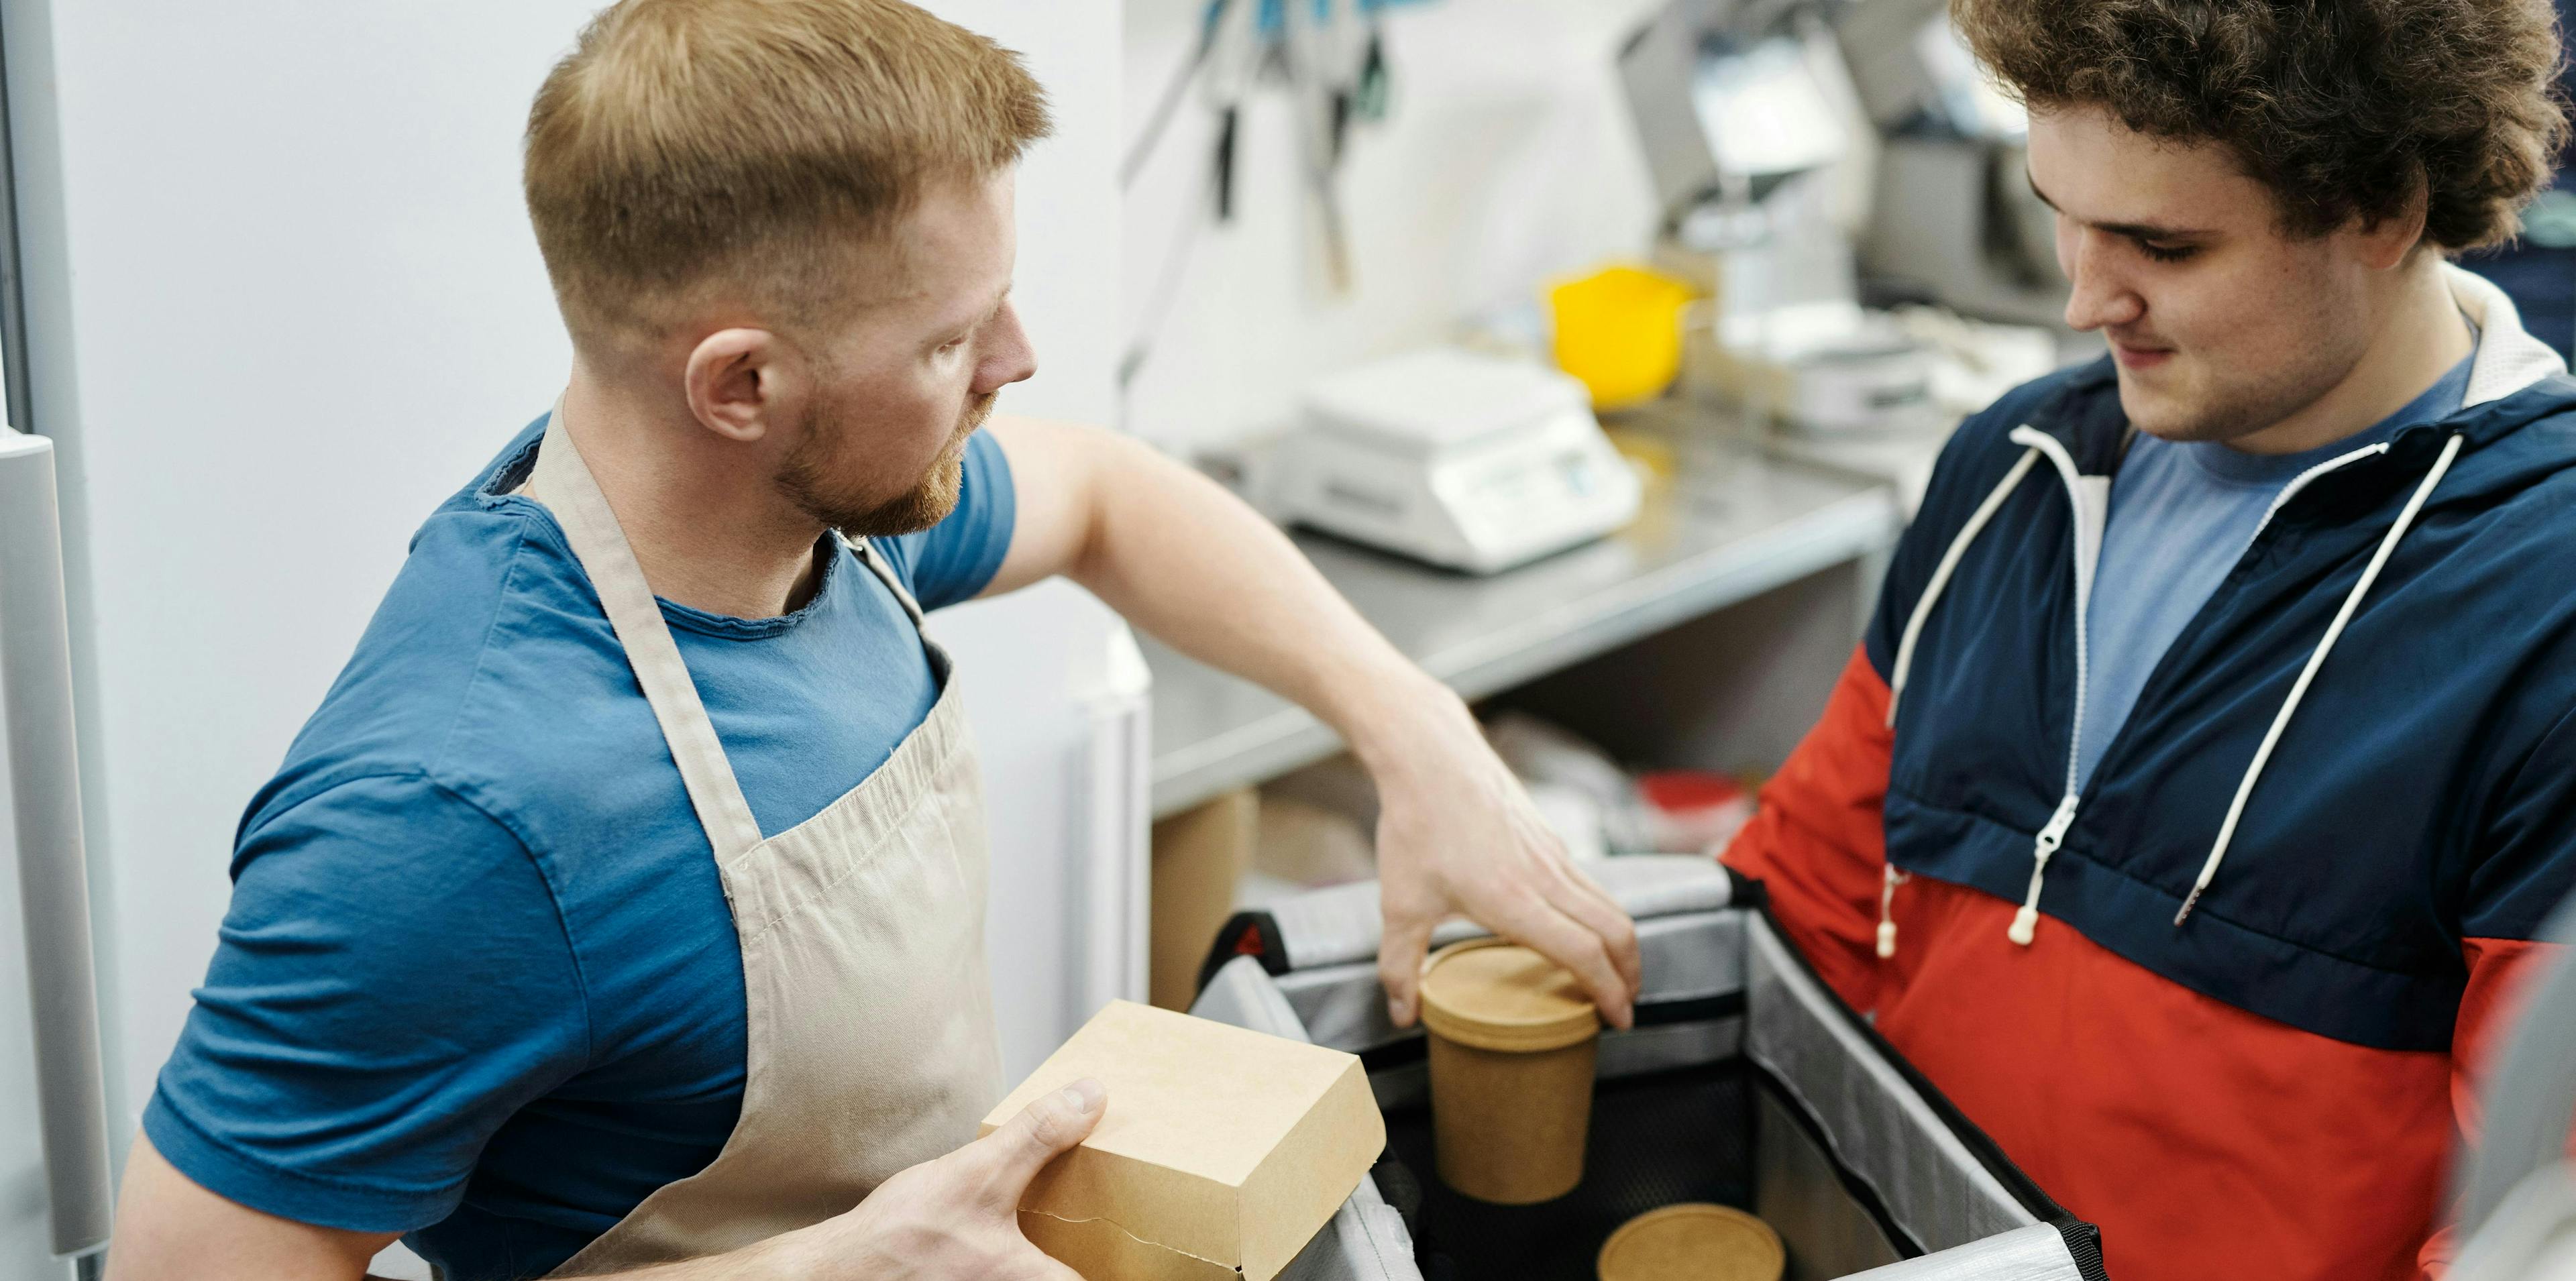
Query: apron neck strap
[
  {"x": 876, "y": 562},
  {"x": 565, "y": 485}
]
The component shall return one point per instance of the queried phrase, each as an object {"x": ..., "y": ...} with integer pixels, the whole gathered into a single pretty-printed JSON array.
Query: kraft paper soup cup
[
  {"x": 1512, "y": 1044},
  {"x": 1693, "y": 1242}
]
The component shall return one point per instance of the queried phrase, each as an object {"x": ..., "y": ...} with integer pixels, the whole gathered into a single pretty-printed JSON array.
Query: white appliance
[
  {"x": 53, "y": 1106},
  {"x": 1823, "y": 367},
  {"x": 1464, "y": 460}
]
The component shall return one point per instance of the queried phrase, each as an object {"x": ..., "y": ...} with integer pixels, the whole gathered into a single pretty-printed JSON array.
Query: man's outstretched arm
[{"x": 1193, "y": 565}]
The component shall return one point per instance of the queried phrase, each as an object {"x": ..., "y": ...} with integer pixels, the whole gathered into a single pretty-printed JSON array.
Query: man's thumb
[{"x": 1056, "y": 1121}]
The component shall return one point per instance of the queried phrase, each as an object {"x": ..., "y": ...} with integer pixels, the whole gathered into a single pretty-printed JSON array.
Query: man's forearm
[
  {"x": 170, "y": 1229},
  {"x": 1205, "y": 573},
  {"x": 1195, "y": 566}
]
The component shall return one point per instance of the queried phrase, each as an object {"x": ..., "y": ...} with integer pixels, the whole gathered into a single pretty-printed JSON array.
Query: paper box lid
[{"x": 1221, "y": 1153}]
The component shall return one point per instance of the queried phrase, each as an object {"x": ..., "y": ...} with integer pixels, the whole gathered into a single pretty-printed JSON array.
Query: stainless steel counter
[{"x": 1734, "y": 524}]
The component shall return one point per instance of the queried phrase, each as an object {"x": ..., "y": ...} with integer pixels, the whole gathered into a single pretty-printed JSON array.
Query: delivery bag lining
[{"x": 1888, "y": 1165}]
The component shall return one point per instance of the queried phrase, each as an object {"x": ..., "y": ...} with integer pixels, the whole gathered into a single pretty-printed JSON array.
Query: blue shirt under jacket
[{"x": 2182, "y": 515}]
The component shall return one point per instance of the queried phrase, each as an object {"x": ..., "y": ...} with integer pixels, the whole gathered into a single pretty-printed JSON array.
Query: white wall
[
  {"x": 1507, "y": 160},
  {"x": 1018, "y": 656},
  {"x": 284, "y": 300}
]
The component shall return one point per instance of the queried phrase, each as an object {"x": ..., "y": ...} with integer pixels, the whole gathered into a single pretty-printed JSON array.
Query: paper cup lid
[
  {"x": 1494, "y": 995},
  {"x": 1693, "y": 1242}
]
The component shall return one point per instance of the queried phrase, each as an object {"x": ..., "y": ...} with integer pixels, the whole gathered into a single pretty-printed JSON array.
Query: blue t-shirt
[
  {"x": 2182, "y": 514},
  {"x": 478, "y": 982}
]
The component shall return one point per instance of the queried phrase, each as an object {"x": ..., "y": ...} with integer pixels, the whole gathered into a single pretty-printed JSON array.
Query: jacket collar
[{"x": 2508, "y": 358}]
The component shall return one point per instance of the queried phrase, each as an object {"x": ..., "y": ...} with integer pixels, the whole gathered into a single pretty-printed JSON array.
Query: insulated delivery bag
[{"x": 1745, "y": 1082}]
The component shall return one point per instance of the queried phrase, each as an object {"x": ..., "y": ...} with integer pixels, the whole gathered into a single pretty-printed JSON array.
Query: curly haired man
[{"x": 2211, "y": 759}]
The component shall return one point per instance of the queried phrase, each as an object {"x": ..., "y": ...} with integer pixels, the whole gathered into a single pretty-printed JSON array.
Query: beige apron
[{"x": 870, "y": 1014}]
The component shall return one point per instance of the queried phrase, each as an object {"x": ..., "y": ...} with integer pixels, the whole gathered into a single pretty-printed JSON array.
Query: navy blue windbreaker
[{"x": 2423, "y": 792}]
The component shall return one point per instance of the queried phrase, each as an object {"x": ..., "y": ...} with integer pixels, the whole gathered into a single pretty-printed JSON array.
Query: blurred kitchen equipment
[
  {"x": 1954, "y": 219},
  {"x": 1600, "y": 809},
  {"x": 1823, "y": 367},
  {"x": 1749, "y": 123},
  {"x": 1690, "y": 811},
  {"x": 1758, "y": 142},
  {"x": 1329, "y": 58},
  {"x": 1464, "y": 460},
  {"x": 1975, "y": 361},
  {"x": 1575, "y": 818}
]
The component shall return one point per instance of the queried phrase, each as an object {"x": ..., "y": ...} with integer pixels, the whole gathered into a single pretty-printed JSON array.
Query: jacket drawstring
[
  {"x": 2051, "y": 837},
  {"x": 2308, "y": 674},
  {"x": 1941, "y": 579},
  {"x": 1904, "y": 666},
  {"x": 1887, "y": 911}
]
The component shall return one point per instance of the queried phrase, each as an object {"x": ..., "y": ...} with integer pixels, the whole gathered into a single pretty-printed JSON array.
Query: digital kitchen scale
[{"x": 1464, "y": 460}]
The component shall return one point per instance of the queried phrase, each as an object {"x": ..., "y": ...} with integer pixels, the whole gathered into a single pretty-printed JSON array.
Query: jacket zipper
[
  {"x": 2162, "y": 677},
  {"x": 2091, "y": 513},
  {"x": 2025, "y": 923},
  {"x": 2092, "y": 516}
]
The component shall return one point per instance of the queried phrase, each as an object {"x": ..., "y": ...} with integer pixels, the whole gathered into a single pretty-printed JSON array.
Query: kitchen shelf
[{"x": 1733, "y": 523}]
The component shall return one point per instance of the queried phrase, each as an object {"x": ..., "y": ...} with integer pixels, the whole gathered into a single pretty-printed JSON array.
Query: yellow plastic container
[{"x": 1619, "y": 330}]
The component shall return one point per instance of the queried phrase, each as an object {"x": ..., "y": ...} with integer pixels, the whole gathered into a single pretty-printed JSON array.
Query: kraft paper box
[{"x": 1221, "y": 1152}]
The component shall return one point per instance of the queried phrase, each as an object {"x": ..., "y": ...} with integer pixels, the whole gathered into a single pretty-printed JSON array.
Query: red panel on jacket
[
  {"x": 1818, "y": 839},
  {"x": 2205, "y": 1141}
]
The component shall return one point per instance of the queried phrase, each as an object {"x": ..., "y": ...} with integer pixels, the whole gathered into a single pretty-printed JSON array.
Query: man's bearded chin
[{"x": 813, "y": 480}]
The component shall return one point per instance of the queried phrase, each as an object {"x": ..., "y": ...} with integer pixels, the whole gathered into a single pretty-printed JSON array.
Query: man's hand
[
  {"x": 1192, "y": 564},
  {"x": 1458, "y": 835},
  {"x": 956, "y": 1218}
]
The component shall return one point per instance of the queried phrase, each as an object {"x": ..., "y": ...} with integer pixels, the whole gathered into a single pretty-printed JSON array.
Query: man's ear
[
  {"x": 740, "y": 382},
  {"x": 2394, "y": 239}
]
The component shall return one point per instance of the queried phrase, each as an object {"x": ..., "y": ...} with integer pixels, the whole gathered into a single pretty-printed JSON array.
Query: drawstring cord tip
[
  {"x": 1887, "y": 911},
  {"x": 2025, "y": 925},
  {"x": 2187, "y": 903}
]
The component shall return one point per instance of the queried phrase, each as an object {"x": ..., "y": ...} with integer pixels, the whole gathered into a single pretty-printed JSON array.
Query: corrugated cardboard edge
[
  {"x": 1308, "y": 1175},
  {"x": 1115, "y": 1253},
  {"x": 1297, "y": 1185},
  {"x": 1199, "y": 1217}
]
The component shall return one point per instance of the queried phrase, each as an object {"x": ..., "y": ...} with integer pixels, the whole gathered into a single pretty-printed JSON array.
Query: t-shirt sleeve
[
  {"x": 392, "y": 982},
  {"x": 954, "y": 559}
]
